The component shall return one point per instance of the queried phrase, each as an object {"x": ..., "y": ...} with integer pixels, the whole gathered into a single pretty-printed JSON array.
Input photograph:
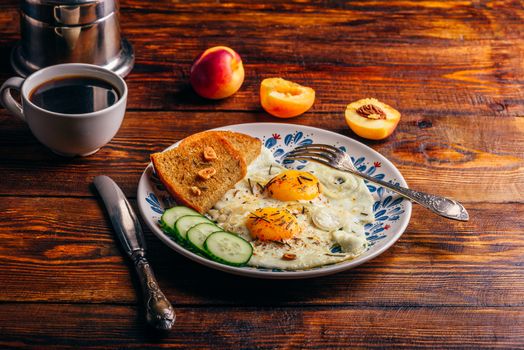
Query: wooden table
[{"x": 455, "y": 69}]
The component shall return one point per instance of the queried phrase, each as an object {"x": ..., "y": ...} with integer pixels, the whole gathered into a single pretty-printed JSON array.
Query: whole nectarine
[{"x": 217, "y": 73}]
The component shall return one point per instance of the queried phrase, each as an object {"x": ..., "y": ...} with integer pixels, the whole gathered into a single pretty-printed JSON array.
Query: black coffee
[{"x": 74, "y": 95}]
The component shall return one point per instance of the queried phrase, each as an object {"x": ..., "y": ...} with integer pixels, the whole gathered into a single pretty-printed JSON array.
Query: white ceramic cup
[{"x": 67, "y": 134}]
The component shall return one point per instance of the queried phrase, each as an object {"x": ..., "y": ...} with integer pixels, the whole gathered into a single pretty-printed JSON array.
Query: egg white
[{"x": 336, "y": 217}]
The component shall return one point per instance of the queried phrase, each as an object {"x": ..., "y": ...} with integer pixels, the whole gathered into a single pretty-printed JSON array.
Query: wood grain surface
[
  {"x": 76, "y": 260},
  {"x": 320, "y": 327},
  {"x": 455, "y": 71}
]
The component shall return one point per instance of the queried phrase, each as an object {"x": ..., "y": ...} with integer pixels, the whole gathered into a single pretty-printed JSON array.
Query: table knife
[{"x": 159, "y": 312}]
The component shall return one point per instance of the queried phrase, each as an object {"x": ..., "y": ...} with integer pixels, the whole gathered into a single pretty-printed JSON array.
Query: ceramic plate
[{"x": 392, "y": 212}]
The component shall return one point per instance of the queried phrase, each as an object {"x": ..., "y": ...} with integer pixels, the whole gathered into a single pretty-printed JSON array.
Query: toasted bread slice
[
  {"x": 181, "y": 169},
  {"x": 248, "y": 146}
]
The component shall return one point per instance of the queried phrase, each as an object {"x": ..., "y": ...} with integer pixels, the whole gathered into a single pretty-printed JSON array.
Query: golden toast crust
[
  {"x": 179, "y": 170},
  {"x": 247, "y": 145}
]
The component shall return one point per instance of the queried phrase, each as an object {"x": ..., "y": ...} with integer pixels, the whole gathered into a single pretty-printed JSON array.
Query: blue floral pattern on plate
[
  {"x": 387, "y": 208},
  {"x": 391, "y": 213}
]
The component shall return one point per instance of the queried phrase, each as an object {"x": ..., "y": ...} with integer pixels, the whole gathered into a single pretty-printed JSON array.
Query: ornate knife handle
[
  {"x": 159, "y": 312},
  {"x": 443, "y": 206}
]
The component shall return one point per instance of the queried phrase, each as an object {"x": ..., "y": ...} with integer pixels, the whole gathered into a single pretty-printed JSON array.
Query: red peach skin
[{"x": 217, "y": 73}]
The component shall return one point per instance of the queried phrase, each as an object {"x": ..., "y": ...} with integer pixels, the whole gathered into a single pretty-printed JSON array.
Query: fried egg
[
  {"x": 272, "y": 224},
  {"x": 297, "y": 219},
  {"x": 293, "y": 185}
]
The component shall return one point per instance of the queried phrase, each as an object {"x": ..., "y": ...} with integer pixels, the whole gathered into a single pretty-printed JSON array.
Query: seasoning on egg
[
  {"x": 272, "y": 224},
  {"x": 292, "y": 185}
]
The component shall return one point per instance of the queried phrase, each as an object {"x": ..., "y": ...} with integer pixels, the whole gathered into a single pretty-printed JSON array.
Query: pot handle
[{"x": 7, "y": 99}]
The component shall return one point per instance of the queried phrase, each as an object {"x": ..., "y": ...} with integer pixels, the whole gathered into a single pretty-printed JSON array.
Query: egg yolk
[
  {"x": 272, "y": 224},
  {"x": 293, "y": 185}
]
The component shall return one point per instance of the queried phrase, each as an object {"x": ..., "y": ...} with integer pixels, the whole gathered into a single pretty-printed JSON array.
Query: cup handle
[{"x": 7, "y": 99}]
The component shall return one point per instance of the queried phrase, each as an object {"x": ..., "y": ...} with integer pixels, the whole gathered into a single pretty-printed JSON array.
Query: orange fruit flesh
[
  {"x": 373, "y": 129},
  {"x": 285, "y": 99}
]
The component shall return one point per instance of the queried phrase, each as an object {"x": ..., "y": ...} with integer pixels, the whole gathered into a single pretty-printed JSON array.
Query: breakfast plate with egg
[{"x": 228, "y": 199}]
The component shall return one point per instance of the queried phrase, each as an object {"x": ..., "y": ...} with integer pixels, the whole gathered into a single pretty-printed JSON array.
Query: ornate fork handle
[
  {"x": 159, "y": 312},
  {"x": 441, "y": 205}
]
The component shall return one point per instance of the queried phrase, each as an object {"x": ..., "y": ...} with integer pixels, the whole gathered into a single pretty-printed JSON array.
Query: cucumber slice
[
  {"x": 183, "y": 224},
  {"x": 228, "y": 248},
  {"x": 198, "y": 234},
  {"x": 171, "y": 215}
]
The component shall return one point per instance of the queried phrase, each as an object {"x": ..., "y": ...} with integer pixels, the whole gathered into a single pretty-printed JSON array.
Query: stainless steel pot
[{"x": 71, "y": 31}]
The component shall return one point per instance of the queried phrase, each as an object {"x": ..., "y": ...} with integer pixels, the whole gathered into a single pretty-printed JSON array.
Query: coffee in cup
[
  {"x": 74, "y": 95},
  {"x": 74, "y": 109}
]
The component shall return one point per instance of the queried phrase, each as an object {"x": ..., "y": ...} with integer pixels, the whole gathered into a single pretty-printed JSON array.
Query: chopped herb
[
  {"x": 255, "y": 216},
  {"x": 336, "y": 255},
  {"x": 270, "y": 167},
  {"x": 269, "y": 183},
  {"x": 365, "y": 214},
  {"x": 300, "y": 182},
  {"x": 250, "y": 187},
  {"x": 305, "y": 178}
]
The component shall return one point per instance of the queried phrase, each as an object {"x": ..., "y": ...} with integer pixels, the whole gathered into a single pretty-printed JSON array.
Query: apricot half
[
  {"x": 285, "y": 99},
  {"x": 372, "y": 119},
  {"x": 217, "y": 73}
]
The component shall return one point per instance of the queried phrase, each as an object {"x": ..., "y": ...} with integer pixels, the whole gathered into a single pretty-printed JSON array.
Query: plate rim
[{"x": 327, "y": 270}]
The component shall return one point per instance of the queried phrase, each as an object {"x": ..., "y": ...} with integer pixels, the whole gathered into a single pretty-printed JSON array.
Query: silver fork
[{"x": 337, "y": 159}]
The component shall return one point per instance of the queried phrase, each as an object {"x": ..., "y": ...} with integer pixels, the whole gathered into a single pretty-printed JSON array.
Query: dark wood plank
[
  {"x": 475, "y": 161},
  {"x": 104, "y": 327},
  {"x": 457, "y": 59},
  {"x": 64, "y": 249}
]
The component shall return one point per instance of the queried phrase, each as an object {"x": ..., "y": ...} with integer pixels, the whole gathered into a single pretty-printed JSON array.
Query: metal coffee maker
[{"x": 71, "y": 31}]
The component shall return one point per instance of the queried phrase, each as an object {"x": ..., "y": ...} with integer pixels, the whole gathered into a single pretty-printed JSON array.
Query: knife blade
[{"x": 159, "y": 312}]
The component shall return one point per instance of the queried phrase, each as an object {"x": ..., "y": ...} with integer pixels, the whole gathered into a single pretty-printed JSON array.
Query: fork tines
[
  {"x": 317, "y": 149},
  {"x": 318, "y": 146},
  {"x": 320, "y": 153}
]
